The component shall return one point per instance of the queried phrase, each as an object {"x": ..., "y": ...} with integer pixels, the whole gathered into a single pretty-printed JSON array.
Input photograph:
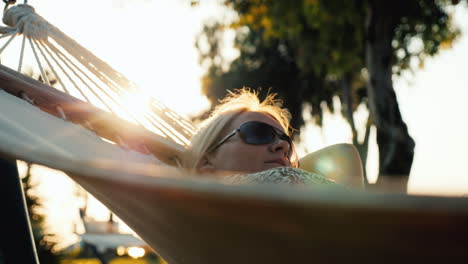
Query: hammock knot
[{"x": 25, "y": 19}]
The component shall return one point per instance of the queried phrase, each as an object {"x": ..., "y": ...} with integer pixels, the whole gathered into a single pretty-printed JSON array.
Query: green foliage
[
  {"x": 282, "y": 47},
  {"x": 309, "y": 51},
  {"x": 263, "y": 63},
  {"x": 423, "y": 22},
  {"x": 321, "y": 40},
  {"x": 43, "y": 241}
]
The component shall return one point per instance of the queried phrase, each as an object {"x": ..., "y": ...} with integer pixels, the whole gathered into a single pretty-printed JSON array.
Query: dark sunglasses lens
[{"x": 257, "y": 133}]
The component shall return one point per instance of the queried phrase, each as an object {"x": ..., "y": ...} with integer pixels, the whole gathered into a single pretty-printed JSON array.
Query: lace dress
[{"x": 280, "y": 175}]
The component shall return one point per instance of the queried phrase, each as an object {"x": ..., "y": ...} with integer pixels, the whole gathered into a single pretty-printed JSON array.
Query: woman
[{"x": 247, "y": 141}]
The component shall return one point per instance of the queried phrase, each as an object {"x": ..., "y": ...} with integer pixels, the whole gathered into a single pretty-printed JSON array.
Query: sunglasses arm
[{"x": 223, "y": 140}]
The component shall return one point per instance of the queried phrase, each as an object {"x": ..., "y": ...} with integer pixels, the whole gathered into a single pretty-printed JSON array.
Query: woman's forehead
[{"x": 254, "y": 116}]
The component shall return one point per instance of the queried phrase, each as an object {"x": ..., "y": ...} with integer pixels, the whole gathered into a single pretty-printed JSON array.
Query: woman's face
[{"x": 236, "y": 155}]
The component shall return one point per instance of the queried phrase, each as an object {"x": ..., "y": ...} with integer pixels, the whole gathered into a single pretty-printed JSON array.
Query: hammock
[{"x": 193, "y": 219}]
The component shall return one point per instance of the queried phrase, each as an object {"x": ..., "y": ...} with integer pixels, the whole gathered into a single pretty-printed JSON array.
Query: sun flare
[{"x": 137, "y": 103}]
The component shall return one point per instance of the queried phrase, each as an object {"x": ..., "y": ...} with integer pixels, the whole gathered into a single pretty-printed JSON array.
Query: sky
[
  {"x": 433, "y": 104},
  {"x": 151, "y": 42}
]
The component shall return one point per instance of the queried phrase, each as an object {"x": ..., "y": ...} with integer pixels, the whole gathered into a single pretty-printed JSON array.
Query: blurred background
[{"x": 387, "y": 76}]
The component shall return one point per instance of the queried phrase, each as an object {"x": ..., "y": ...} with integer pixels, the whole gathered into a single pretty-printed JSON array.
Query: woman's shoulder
[{"x": 280, "y": 175}]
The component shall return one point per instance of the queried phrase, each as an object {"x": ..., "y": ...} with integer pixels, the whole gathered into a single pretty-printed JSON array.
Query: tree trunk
[
  {"x": 396, "y": 147},
  {"x": 348, "y": 111}
]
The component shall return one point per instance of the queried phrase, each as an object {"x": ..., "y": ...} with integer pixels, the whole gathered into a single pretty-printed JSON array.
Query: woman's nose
[{"x": 280, "y": 145}]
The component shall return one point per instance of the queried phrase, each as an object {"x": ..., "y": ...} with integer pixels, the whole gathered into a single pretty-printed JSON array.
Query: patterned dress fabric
[{"x": 280, "y": 175}]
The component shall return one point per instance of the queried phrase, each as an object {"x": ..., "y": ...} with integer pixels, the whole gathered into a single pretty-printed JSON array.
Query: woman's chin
[{"x": 271, "y": 165}]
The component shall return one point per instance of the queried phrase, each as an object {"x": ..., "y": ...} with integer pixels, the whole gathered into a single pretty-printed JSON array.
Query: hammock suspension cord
[{"x": 69, "y": 67}]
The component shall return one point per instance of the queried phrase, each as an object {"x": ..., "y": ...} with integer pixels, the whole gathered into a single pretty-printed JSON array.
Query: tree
[{"x": 327, "y": 48}]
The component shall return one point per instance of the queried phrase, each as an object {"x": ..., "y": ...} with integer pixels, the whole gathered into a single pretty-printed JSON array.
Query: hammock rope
[
  {"x": 78, "y": 72},
  {"x": 20, "y": 63}
]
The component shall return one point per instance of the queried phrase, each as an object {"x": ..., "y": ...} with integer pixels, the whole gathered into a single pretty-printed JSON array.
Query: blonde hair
[{"x": 235, "y": 103}]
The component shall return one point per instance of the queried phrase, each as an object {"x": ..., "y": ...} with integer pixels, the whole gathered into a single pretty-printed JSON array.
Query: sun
[{"x": 137, "y": 103}]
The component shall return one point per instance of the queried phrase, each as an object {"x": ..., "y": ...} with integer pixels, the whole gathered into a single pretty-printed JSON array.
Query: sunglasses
[{"x": 258, "y": 133}]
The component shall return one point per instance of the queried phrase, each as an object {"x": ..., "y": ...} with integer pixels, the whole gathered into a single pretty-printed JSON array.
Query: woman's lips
[{"x": 281, "y": 162}]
